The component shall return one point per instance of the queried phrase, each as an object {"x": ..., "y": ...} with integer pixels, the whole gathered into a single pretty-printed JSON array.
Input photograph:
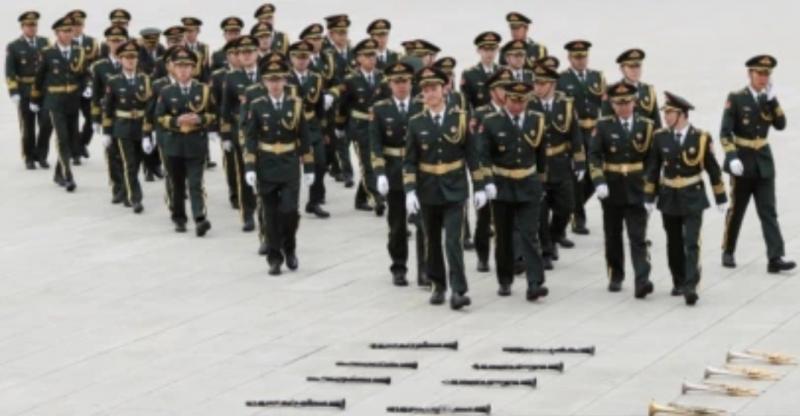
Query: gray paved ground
[{"x": 107, "y": 313}]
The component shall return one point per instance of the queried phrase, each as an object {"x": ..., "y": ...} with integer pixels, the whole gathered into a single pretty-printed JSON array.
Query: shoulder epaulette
[
  {"x": 252, "y": 87},
  {"x": 416, "y": 116},
  {"x": 606, "y": 118},
  {"x": 385, "y": 101},
  {"x": 645, "y": 119}
]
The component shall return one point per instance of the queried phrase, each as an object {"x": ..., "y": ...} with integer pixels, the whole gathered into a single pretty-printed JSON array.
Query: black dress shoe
[
  {"x": 348, "y": 182},
  {"x": 70, "y": 185},
  {"x": 519, "y": 266},
  {"x": 614, "y": 286},
  {"x": 437, "y": 297},
  {"x": 363, "y": 206},
  {"x": 422, "y": 280},
  {"x": 580, "y": 229},
  {"x": 30, "y": 165},
  {"x": 565, "y": 242},
  {"x": 317, "y": 211},
  {"x": 676, "y": 291},
  {"x": 728, "y": 260},
  {"x": 59, "y": 181},
  {"x": 338, "y": 177},
  {"x": 275, "y": 269},
  {"x": 44, "y": 165},
  {"x": 380, "y": 209},
  {"x": 138, "y": 208},
  {"x": 469, "y": 245},
  {"x": 554, "y": 252},
  {"x": 483, "y": 266},
  {"x": 534, "y": 293},
  {"x": 399, "y": 278},
  {"x": 263, "y": 249},
  {"x": 291, "y": 261},
  {"x": 643, "y": 290},
  {"x": 126, "y": 203},
  {"x": 148, "y": 177},
  {"x": 504, "y": 290},
  {"x": 202, "y": 228},
  {"x": 180, "y": 226},
  {"x": 211, "y": 164},
  {"x": 778, "y": 264},
  {"x": 547, "y": 263},
  {"x": 85, "y": 152},
  {"x": 249, "y": 224},
  {"x": 691, "y": 297},
  {"x": 76, "y": 161},
  {"x": 158, "y": 172},
  {"x": 235, "y": 204},
  {"x": 458, "y": 301}
]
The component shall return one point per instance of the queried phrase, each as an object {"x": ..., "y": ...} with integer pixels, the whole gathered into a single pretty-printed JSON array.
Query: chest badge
[
  {"x": 613, "y": 149},
  {"x": 745, "y": 122},
  {"x": 691, "y": 150}
]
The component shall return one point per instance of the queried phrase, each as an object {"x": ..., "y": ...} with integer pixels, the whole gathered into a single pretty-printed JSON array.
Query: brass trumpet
[
  {"x": 676, "y": 409},
  {"x": 727, "y": 389},
  {"x": 773, "y": 358},
  {"x": 746, "y": 372}
]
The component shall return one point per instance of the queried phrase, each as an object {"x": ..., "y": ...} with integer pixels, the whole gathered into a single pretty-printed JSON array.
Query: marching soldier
[
  {"x": 420, "y": 54},
  {"x": 586, "y": 87},
  {"x": 514, "y": 147},
  {"x": 56, "y": 90},
  {"x": 630, "y": 64},
  {"x": 160, "y": 132},
  {"x": 276, "y": 139},
  {"x": 231, "y": 29},
  {"x": 337, "y": 46},
  {"x": 124, "y": 119},
  {"x": 514, "y": 54},
  {"x": 619, "y": 147},
  {"x": 234, "y": 174},
  {"x": 360, "y": 89},
  {"x": 309, "y": 86},
  {"x": 150, "y": 49},
  {"x": 263, "y": 33},
  {"x": 474, "y": 79},
  {"x": 101, "y": 71},
  {"x": 749, "y": 114},
  {"x": 279, "y": 41},
  {"x": 565, "y": 157},
  {"x": 185, "y": 109},
  {"x": 437, "y": 147},
  {"x": 23, "y": 58},
  {"x": 92, "y": 52},
  {"x": 519, "y": 25},
  {"x": 379, "y": 30},
  {"x": 117, "y": 17},
  {"x": 202, "y": 70},
  {"x": 682, "y": 152},
  {"x": 174, "y": 37},
  {"x": 387, "y": 133}
]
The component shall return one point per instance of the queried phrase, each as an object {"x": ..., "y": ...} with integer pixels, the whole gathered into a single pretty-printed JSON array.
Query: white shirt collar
[
  {"x": 520, "y": 115},
  {"x": 440, "y": 114},
  {"x": 683, "y": 132},
  {"x": 63, "y": 49},
  {"x": 578, "y": 73},
  {"x": 548, "y": 101},
  {"x": 754, "y": 92},
  {"x": 406, "y": 101},
  {"x": 368, "y": 74},
  {"x": 629, "y": 120},
  {"x": 79, "y": 39},
  {"x": 172, "y": 80},
  {"x": 301, "y": 74},
  {"x": 487, "y": 69},
  {"x": 187, "y": 85},
  {"x": 497, "y": 107},
  {"x": 129, "y": 76},
  {"x": 280, "y": 99}
]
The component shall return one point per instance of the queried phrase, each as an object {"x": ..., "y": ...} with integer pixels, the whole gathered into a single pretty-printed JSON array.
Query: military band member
[
  {"x": 565, "y": 157},
  {"x": 56, "y": 90},
  {"x": 587, "y": 88},
  {"x": 117, "y": 17},
  {"x": 474, "y": 79},
  {"x": 630, "y": 64},
  {"x": 125, "y": 124},
  {"x": 387, "y": 133},
  {"x": 91, "y": 50},
  {"x": 619, "y": 147},
  {"x": 263, "y": 33},
  {"x": 174, "y": 37},
  {"x": 519, "y": 26},
  {"x": 437, "y": 148},
  {"x": 310, "y": 87},
  {"x": 276, "y": 138},
  {"x": 185, "y": 109},
  {"x": 231, "y": 29},
  {"x": 234, "y": 175},
  {"x": 379, "y": 30},
  {"x": 151, "y": 49},
  {"x": 679, "y": 155},
  {"x": 23, "y": 58},
  {"x": 749, "y": 114},
  {"x": 159, "y": 133},
  {"x": 337, "y": 46},
  {"x": 514, "y": 147},
  {"x": 514, "y": 52},
  {"x": 101, "y": 71},
  {"x": 279, "y": 42}
]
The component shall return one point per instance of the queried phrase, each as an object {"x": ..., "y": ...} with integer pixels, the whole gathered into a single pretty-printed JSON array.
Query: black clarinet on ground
[
  {"x": 438, "y": 410},
  {"x": 368, "y": 380},
  {"x": 530, "y": 367},
  {"x": 560, "y": 350},
  {"x": 378, "y": 364},
  {"x": 502, "y": 383},
  {"x": 339, "y": 404},
  {"x": 414, "y": 345}
]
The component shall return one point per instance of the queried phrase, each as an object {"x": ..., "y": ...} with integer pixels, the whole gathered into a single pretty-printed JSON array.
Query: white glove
[
  {"x": 723, "y": 207},
  {"x": 227, "y": 146},
  {"x": 649, "y": 206},
  {"x": 480, "y": 199},
  {"x": 328, "y": 101},
  {"x": 491, "y": 191},
  {"x": 737, "y": 169},
  {"x": 97, "y": 127},
  {"x": 213, "y": 136},
  {"x": 383, "y": 185},
  {"x": 15, "y": 99},
  {"x": 601, "y": 191},
  {"x": 250, "y": 178},
  {"x": 308, "y": 179},
  {"x": 339, "y": 133},
  {"x": 412, "y": 203},
  {"x": 580, "y": 174},
  {"x": 106, "y": 140},
  {"x": 147, "y": 145},
  {"x": 87, "y": 93},
  {"x": 33, "y": 107},
  {"x": 771, "y": 92}
]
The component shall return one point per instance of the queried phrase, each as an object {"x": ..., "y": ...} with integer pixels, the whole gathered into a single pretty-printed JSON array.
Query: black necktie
[
  {"x": 278, "y": 105},
  {"x": 252, "y": 76},
  {"x": 547, "y": 108},
  {"x": 32, "y": 42},
  {"x": 678, "y": 138},
  {"x": 582, "y": 77},
  {"x": 627, "y": 126},
  {"x": 131, "y": 81},
  {"x": 762, "y": 99},
  {"x": 302, "y": 79},
  {"x": 185, "y": 90},
  {"x": 402, "y": 105},
  {"x": 438, "y": 120},
  {"x": 370, "y": 81},
  {"x": 516, "y": 122},
  {"x": 66, "y": 54}
]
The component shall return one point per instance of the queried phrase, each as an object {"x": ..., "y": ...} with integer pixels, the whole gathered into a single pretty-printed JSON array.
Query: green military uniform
[
  {"x": 746, "y": 121},
  {"x": 117, "y": 17},
  {"x": 586, "y": 88},
  {"x": 276, "y": 137},
  {"x": 387, "y": 134},
  {"x": 437, "y": 147},
  {"x": 280, "y": 42},
  {"x": 386, "y": 57},
  {"x": 125, "y": 121},
  {"x": 57, "y": 88},
  {"x": 160, "y": 132},
  {"x": 617, "y": 155},
  {"x": 91, "y": 48},
  {"x": 565, "y": 156},
  {"x": 682, "y": 156},
  {"x": 174, "y": 35},
  {"x": 514, "y": 149},
  {"x": 151, "y": 50},
  {"x": 224, "y": 128},
  {"x": 523, "y": 74},
  {"x": 341, "y": 62},
  {"x": 186, "y": 146},
  {"x": 646, "y": 100},
  {"x": 474, "y": 79},
  {"x": 533, "y": 50},
  {"x": 219, "y": 59},
  {"x": 22, "y": 61}
]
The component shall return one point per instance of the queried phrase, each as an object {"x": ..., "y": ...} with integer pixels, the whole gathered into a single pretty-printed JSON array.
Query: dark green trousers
[
  {"x": 634, "y": 218},
  {"x": 520, "y": 219},
  {"x": 683, "y": 248},
  {"x": 557, "y": 206},
  {"x": 129, "y": 155},
  {"x": 66, "y": 127},
  {"x": 182, "y": 172},
  {"x": 762, "y": 190},
  {"x": 450, "y": 219}
]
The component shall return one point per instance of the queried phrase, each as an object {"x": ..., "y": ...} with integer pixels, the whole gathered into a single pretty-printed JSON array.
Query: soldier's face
[
  {"x": 191, "y": 35},
  {"x": 579, "y": 62},
  {"x": 64, "y": 36},
  {"x": 316, "y": 42},
  {"x": 516, "y": 60},
  {"x": 233, "y": 59},
  {"x": 623, "y": 109},
  {"x": 382, "y": 39},
  {"x": 427, "y": 59},
  {"x": 264, "y": 42},
  {"x": 671, "y": 116},
  {"x": 488, "y": 55},
  {"x": 174, "y": 41},
  {"x": 433, "y": 95},
  {"x": 30, "y": 29},
  {"x": 516, "y": 105},
  {"x": 543, "y": 89},
  {"x": 77, "y": 30},
  {"x": 230, "y": 35},
  {"x": 367, "y": 61},
  {"x": 498, "y": 95},
  {"x": 632, "y": 72},
  {"x": 519, "y": 32},
  {"x": 183, "y": 72},
  {"x": 129, "y": 63},
  {"x": 759, "y": 79},
  {"x": 401, "y": 88},
  {"x": 247, "y": 58},
  {"x": 339, "y": 37},
  {"x": 300, "y": 62},
  {"x": 275, "y": 86}
]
